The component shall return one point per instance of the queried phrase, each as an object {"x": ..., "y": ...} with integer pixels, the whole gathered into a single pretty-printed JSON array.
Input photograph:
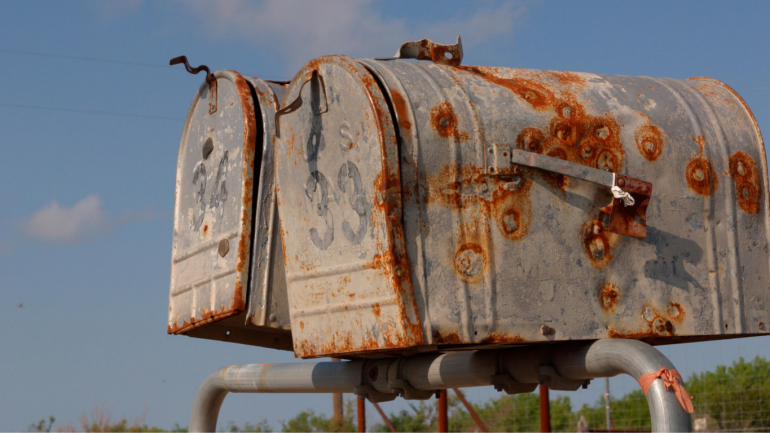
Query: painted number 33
[{"x": 356, "y": 198}]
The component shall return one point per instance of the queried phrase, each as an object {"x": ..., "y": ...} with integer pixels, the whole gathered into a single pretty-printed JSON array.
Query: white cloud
[
  {"x": 302, "y": 30},
  {"x": 84, "y": 221}
]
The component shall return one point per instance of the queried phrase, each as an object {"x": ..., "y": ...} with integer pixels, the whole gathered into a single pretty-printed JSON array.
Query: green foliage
[
  {"x": 733, "y": 397},
  {"x": 41, "y": 426},
  {"x": 308, "y": 421},
  {"x": 262, "y": 426}
]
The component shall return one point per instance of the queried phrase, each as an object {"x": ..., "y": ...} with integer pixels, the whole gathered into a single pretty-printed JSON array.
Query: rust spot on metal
[
  {"x": 748, "y": 183},
  {"x": 301, "y": 324},
  {"x": 376, "y": 310},
  {"x": 653, "y": 322},
  {"x": 445, "y": 122},
  {"x": 470, "y": 262},
  {"x": 531, "y": 140},
  {"x": 597, "y": 243},
  {"x": 649, "y": 141},
  {"x": 499, "y": 337},
  {"x": 399, "y": 104},
  {"x": 608, "y": 296},
  {"x": 205, "y": 229},
  {"x": 700, "y": 175},
  {"x": 449, "y": 338}
]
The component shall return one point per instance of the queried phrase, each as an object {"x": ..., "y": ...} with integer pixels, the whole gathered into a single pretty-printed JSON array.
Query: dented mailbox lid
[
  {"x": 215, "y": 201},
  {"x": 339, "y": 195}
]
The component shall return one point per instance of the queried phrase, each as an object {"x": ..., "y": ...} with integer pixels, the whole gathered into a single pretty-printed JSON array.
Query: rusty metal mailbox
[
  {"x": 427, "y": 206},
  {"x": 226, "y": 283}
]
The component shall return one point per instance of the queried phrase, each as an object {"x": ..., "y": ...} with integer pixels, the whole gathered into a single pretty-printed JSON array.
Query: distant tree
[
  {"x": 734, "y": 397},
  {"x": 308, "y": 421},
  {"x": 41, "y": 425},
  {"x": 260, "y": 427}
]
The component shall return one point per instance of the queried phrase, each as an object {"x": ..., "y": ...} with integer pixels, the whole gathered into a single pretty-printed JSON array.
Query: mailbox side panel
[{"x": 522, "y": 257}]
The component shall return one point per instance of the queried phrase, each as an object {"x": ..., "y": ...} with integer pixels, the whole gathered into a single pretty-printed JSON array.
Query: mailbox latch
[{"x": 628, "y": 210}]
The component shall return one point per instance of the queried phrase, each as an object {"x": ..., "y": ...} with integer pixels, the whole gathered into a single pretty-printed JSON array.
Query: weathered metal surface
[
  {"x": 339, "y": 189},
  {"x": 268, "y": 301},
  {"x": 494, "y": 258},
  {"x": 219, "y": 208}
]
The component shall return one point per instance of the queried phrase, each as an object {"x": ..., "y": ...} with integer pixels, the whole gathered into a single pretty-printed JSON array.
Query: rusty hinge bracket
[
  {"x": 210, "y": 79},
  {"x": 628, "y": 210},
  {"x": 425, "y": 49}
]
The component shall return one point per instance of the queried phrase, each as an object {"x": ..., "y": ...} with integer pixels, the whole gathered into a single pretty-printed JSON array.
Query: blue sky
[{"x": 85, "y": 220}]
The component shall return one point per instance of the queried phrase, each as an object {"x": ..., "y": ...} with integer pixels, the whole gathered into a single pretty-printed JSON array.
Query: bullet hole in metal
[
  {"x": 650, "y": 147},
  {"x": 741, "y": 168},
  {"x": 597, "y": 249},
  {"x": 605, "y": 162},
  {"x": 470, "y": 262},
  {"x": 648, "y": 314},
  {"x": 669, "y": 326},
  {"x": 224, "y": 247},
  {"x": 602, "y": 132},
  {"x": 273, "y": 318},
  {"x": 587, "y": 152},
  {"x": 436, "y": 334},
  {"x": 567, "y": 112},
  {"x": 563, "y": 132},
  {"x": 699, "y": 175},
  {"x": 208, "y": 147}
]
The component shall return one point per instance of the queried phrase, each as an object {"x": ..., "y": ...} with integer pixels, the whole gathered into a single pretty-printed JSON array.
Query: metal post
[
  {"x": 607, "y": 417},
  {"x": 384, "y": 417},
  {"x": 337, "y": 404},
  {"x": 470, "y": 410},
  {"x": 431, "y": 372},
  {"x": 545, "y": 409},
  {"x": 361, "y": 403},
  {"x": 442, "y": 412}
]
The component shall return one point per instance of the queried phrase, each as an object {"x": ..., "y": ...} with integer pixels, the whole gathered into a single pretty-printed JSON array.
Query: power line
[
  {"x": 118, "y": 62},
  {"x": 104, "y": 113},
  {"x": 87, "y": 59}
]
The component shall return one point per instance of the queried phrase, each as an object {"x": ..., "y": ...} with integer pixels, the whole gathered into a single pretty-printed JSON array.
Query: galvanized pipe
[
  {"x": 606, "y": 358},
  {"x": 318, "y": 377},
  {"x": 603, "y": 358}
]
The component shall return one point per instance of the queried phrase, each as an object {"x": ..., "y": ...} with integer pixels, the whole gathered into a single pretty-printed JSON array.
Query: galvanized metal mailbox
[
  {"x": 227, "y": 279},
  {"x": 429, "y": 206}
]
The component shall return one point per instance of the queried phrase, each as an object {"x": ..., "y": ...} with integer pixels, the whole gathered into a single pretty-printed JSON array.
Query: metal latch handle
[
  {"x": 630, "y": 218},
  {"x": 316, "y": 82}
]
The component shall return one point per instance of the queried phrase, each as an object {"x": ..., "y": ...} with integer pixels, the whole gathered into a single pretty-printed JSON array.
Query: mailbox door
[
  {"x": 340, "y": 205},
  {"x": 213, "y": 205}
]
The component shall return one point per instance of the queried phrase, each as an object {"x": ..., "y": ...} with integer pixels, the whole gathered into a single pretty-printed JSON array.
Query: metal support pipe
[
  {"x": 563, "y": 362},
  {"x": 545, "y": 409},
  {"x": 384, "y": 417},
  {"x": 471, "y": 411},
  {"x": 443, "y": 424},
  {"x": 361, "y": 406},
  {"x": 326, "y": 377},
  {"x": 607, "y": 358}
]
